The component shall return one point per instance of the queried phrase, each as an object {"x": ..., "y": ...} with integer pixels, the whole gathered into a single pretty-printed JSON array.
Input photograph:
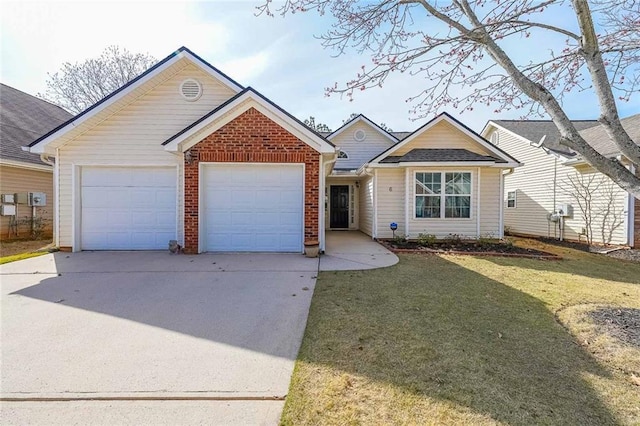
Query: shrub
[{"x": 426, "y": 239}]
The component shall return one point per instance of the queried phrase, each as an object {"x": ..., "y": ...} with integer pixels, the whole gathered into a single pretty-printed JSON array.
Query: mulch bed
[
  {"x": 468, "y": 248},
  {"x": 621, "y": 323}
]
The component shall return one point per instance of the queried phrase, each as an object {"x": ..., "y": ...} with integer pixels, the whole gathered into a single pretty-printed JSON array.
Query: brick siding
[{"x": 252, "y": 138}]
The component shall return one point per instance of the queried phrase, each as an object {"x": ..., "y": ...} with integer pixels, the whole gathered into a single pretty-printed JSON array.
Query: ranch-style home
[
  {"x": 183, "y": 152},
  {"x": 556, "y": 193}
]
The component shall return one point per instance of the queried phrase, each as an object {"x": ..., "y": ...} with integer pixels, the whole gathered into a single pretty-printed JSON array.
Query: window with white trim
[
  {"x": 342, "y": 154},
  {"x": 451, "y": 200},
  {"x": 511, "y": 199}
]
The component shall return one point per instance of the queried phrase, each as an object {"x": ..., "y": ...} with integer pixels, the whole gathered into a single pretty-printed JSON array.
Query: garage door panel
[
  {"x": 128, "y": 209},
  {"x": 259, "y": 209}
]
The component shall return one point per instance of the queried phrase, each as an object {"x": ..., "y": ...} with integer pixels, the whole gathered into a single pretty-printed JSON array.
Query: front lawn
[{"x": 469, "y": 340}]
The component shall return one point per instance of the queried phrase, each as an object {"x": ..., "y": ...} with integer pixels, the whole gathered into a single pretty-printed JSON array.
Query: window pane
[
  {"x": 428, "y": 183},
  {"x": 458, "y": 183},
  {"x": 427, "y": 207},
  {"x": 457, "y": 207}
]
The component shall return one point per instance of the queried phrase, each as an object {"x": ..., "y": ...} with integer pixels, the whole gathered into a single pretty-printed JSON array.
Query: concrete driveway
[{"x": 150, "y": 325}]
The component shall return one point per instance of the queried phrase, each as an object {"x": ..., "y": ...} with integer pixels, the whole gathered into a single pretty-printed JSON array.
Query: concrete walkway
[{"x": 353, "y": 251}]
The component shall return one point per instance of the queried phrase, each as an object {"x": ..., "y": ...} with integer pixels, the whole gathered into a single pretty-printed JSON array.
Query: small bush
[
  {"x": 454, "y": 239},
  {"x": 426, "y": 239},
  {"x": 400, "y": 240}
]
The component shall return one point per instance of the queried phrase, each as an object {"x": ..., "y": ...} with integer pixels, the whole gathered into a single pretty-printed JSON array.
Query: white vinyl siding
[
  {"x": 133, "y": 136},
  {"x": 442, "y": 135},
  {"x": 366, "y": 205},
  {"x": 391, "y": 205},
  {"x": 390, "y": 201},
  {"x": 359, "y": 152},
  {"x": 442, "y": 227},
  {"x": 535, "y": 186}
]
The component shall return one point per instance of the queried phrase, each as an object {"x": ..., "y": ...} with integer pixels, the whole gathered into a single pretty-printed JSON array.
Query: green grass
[
  {"x": 463, "y": 340},
  {"x": 21, "y": 256}
]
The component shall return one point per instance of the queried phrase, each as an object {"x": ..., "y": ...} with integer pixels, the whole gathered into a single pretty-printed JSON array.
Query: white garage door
[
  {"x": 252, "y": 207},
  {"x": 128, "y": 208}
]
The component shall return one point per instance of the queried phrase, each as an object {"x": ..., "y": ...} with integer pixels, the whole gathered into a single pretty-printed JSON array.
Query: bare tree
[
  {"x": 75, "y": 87},
  {"x": 460, "y": 49},
  {"x": 611, "y": 212},
  {"x": 581, "y": 188},
  {"x": 318, "y": 127},
  {"x": 355, "y": 114}
]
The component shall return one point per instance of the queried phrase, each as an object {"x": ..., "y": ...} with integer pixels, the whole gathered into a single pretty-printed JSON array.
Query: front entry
[{"x": 339, "y": 210}]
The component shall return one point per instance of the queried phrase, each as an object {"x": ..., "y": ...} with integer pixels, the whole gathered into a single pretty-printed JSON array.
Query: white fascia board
[
  {"x": 224, "y": 80},
  {"x": 40, "y": 147},
  {"x": 25, "y": 165},
  {"x": 234, "y": 109},
  {"x": 499, "y": 127},
  {"x": 365, "y": 120}
]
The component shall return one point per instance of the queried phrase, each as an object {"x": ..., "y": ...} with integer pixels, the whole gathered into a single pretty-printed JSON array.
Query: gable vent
[
  {"x": 191, "y": 89},
  {"x": 359, "y": 135}
]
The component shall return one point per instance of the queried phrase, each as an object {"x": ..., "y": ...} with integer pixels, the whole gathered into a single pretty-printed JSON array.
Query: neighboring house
[
  {"x": 22, "y": 119},
  {"x": 556, "y": 193},
  {"x": 184, "y": 152}
]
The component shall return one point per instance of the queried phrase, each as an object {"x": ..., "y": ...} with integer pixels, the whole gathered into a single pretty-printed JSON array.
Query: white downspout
[
  {"x": 56, "y": 212},
  {"x": 478, "y": 205}
]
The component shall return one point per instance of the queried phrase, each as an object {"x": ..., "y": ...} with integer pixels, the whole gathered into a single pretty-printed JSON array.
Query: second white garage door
[
  {"x": 252, "y": 207},
  {"x": 124, "y": 208}
]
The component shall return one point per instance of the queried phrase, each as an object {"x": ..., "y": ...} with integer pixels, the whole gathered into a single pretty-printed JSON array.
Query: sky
[{"x": 279, "y": 57}]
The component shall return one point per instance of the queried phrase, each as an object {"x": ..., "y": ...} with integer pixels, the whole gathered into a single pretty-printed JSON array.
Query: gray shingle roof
[
  {"x": 422, "y": 155},
  {"x": 597, "y": 137},
  {"x": 534, "y": 130},
  {"x": 23, "y": 119}
]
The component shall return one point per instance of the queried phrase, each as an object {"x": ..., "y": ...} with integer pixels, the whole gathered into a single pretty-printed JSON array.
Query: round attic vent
[
  {"x": 191, "y": 89},
  {"x": 359, "y": 135}
]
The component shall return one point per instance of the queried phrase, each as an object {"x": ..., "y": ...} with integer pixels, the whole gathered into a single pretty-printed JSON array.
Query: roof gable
[
  {"x": 232, "y": 108},
  {"x": 135, "y": 88},
  {"x": 360, "y": 118},
  {"x": 472, "y": 141}
]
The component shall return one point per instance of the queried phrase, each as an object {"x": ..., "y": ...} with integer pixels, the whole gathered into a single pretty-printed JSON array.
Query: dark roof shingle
[
  {"x": 24, "y": 118},
  {"x": 424, "y": 155}
]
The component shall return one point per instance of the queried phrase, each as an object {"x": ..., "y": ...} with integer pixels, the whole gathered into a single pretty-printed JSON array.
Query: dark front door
[{"x": 339, "y": 214}]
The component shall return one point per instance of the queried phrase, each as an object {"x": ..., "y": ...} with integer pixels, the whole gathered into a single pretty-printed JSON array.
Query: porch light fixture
[{"x": 188, "y": 157}]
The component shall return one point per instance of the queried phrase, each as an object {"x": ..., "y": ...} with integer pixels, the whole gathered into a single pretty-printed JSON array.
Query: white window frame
[
  {"x": 515, "y": 199},
  {"x": 346, "y": 156},
  {"x": 443, "y": 195}
]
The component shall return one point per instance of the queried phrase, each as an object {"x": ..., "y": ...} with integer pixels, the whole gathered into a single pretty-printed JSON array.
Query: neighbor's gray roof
[
  {"x": 23, "y": 119},
  {"x": 597, "y": 137},
  {"x": 534, "y": 130},
  {"x": 420, "y": 155}
]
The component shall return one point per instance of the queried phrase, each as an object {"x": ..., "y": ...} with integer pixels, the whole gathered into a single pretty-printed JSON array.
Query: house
[
  {"x": 185, "y": 152},
  {"x": 556, "y": 193},
  {"x": 22, "y": 119}
]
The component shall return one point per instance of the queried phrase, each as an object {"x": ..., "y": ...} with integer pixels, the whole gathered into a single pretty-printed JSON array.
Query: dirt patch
[
  {"x": 467, "y": 247},
  {"x": 621, "y": 323},
  {"x": 10, "y": 248}
]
